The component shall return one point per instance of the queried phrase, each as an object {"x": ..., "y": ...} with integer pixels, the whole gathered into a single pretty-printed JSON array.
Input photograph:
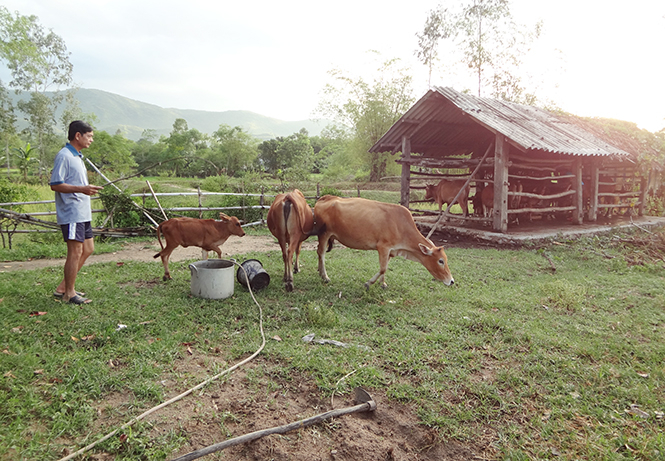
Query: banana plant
[{"x": 25, "y": 159}]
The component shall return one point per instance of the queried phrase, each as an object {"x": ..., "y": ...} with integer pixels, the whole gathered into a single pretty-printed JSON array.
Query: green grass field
[{"x": 564, "y": 364}]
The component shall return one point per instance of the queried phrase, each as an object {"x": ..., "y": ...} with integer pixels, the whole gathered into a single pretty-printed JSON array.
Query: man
[{"x": 69, "y": 181}]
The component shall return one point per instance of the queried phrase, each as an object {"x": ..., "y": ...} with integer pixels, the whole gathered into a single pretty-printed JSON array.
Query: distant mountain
[{"x": 131, "y": 117}]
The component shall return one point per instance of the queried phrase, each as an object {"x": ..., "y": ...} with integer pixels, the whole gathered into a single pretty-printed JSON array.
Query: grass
[{"x": 534, "y": 362}]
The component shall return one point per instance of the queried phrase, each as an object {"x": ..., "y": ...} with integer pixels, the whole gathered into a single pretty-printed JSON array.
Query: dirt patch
[
  {"x": 253, "y": 399},
  {"x": 145, "y": 252}
]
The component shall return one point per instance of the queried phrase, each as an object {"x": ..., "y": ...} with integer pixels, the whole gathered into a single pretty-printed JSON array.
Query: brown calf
[
  {"x": 290, "y": 220},
  {"x": 445, "y": 192},
  {"x": 204, "y": 233}
]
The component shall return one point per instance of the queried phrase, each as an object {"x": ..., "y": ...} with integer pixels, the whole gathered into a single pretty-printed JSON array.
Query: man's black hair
[{"x": 78, "y": 126}]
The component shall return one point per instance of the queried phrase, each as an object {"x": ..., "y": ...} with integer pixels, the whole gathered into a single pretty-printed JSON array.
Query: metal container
[
  {"x": 257, "y": 275},
  {"x": 212, "y": 279}
]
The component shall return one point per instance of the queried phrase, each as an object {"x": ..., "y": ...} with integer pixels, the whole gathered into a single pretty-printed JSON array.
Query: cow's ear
[
  {"x": 224, "y": 217},
  {"x": 427, "y": 251}
]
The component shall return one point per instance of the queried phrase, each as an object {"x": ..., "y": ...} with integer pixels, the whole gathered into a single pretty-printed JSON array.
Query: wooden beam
[
  {"x": 501, "y": 157},
  {"x": 643, "y": 194},
  {"x": 593, "y": 193},
  {"x": 406, "y": 172},
  {"x": 578, "y": 201}
]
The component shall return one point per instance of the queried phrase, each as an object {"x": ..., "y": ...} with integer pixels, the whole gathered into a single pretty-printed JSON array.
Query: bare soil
[
  {"x": 145, "y": 252},
  {"x": 245, "y": 402}
]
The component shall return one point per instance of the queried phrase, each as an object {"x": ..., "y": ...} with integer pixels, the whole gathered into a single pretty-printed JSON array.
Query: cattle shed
[{"x": 540, "y": 165}]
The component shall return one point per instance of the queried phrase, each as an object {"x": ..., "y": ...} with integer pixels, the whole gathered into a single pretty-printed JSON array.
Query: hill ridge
[{"x": 115, "y": 112}]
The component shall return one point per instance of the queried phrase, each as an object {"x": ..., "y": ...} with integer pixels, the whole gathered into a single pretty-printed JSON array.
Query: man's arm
[{"x": 70, "y": 189}]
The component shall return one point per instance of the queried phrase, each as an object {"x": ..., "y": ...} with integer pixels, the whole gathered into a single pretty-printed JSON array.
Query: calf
[
  {"x": 204, "y": 233},
  {"x": 445, "y": 192},
  {"x": 369, "y": 225},
  {"x": 290, "y": 220}
]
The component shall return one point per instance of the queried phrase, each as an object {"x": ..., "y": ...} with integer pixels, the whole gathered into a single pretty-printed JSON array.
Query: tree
[
  {"x": 111, "y": 153},
  {"x": 289, "y": 158},
  {"x": 38, "y": 61},
  {"x": 369, "y": 109},
  {"x": 492, "y": 45},
  {"x": 7, "y": 124},
  {"x": 185, "y": 149},
  {"x": 436, "y": 28},
  {"x": 234, "y": 150}
]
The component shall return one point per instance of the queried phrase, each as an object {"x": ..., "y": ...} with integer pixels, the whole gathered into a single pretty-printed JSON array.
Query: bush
[{"x": 124, "y": 210}]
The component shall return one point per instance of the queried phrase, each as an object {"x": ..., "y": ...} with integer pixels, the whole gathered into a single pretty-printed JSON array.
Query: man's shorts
[{"x": 77, "y": 231}]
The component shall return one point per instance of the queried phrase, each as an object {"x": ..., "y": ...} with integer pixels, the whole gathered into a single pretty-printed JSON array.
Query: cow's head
[
  {"x": 232, "y": 224},
  {"x": 430, "y": 191},
  {"x": 436, "y": 262}
]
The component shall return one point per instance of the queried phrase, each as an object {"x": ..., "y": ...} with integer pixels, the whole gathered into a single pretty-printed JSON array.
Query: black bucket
[{"x": 257, "y": 275}]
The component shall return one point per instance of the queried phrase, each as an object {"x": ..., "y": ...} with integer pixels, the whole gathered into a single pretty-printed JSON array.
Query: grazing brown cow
[
  {"x": 204, "y": 233},
  {"x": 290, "y": 220},
  {"x": 369, "y": 225},
  {"x": 445, "y": 192}
]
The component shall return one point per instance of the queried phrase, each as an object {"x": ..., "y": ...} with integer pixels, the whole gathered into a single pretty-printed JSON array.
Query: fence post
[
  {"x": 200, "y": 203},
  {"x": 261, "y": 202},
  {"x": 358, "y": 186},
  {"x": 242, "y": 191},
  {"x": 318, "y": 191}
]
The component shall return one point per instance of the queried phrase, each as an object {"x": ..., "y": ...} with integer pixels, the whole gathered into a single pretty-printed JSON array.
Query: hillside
[{"x": 115, "y": 112}]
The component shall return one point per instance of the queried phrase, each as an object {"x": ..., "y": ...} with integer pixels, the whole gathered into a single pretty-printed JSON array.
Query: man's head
[{"x": 80, "y": 134}]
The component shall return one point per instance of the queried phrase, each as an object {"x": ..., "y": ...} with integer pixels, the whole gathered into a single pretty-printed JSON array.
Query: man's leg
[
  {"x": 72, "y": 266},
  {"x": 80, "y": 245}
]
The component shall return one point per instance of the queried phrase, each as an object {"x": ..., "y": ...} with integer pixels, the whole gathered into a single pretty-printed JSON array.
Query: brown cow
[
  {"x": 369, "y": 225},
  {"x": 290, "y": 220},
  {"x": 204, "y": 233},
  {"x": 487, "y": 198},
  {"x": 445, "y": 192}
]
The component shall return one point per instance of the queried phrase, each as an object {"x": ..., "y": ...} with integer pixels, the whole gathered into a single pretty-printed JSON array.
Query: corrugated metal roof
[{"x": 447, "y": 120}]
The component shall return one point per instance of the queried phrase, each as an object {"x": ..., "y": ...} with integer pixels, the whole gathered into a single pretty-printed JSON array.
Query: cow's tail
[
  {"x": 160, "y": 242},
  {"x": 287, "y": 205}
]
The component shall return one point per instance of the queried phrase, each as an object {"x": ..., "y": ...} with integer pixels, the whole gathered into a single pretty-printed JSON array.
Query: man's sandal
[
  {"x": 76, "y": 299},
  {"x": 58, "y": 295}
]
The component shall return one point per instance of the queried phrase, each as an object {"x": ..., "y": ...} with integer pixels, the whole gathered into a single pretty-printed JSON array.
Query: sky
[{"x": 595, "y": 58}]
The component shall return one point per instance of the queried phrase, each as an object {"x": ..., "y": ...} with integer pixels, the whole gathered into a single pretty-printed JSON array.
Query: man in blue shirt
[{"x": 69, "y": 181}]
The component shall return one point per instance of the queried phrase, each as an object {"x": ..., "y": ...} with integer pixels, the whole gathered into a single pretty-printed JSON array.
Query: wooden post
[
  {"x": 261, "y": 202},
  {"x": 200, "y": 202},
  {"x": 578, "y": 213},
  {"x": 501, "y": 155},
  {"x": 593, "y": 192},
  {"x": 406, "y": 172},
  {"x": 644, "y": 185}
]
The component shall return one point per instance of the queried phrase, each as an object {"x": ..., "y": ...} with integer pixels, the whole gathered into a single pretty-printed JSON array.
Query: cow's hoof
[
  {"x": 166, "y": 277},
  {"x": 367, "y": 285},
  {"x": 288, "y": 286}
]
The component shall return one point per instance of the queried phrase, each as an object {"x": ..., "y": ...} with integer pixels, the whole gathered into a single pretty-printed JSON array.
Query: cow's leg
[
  {"x": 288, "y": 267},
  {"x": 165, "y": 255},
  {"x": 321, "y": 251},
  {"x": 296, "y": 261},
  {"x": 284, "y": 246},
  {"x": 384, "y": 257},
  {"x": 217, "y": 250}
]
